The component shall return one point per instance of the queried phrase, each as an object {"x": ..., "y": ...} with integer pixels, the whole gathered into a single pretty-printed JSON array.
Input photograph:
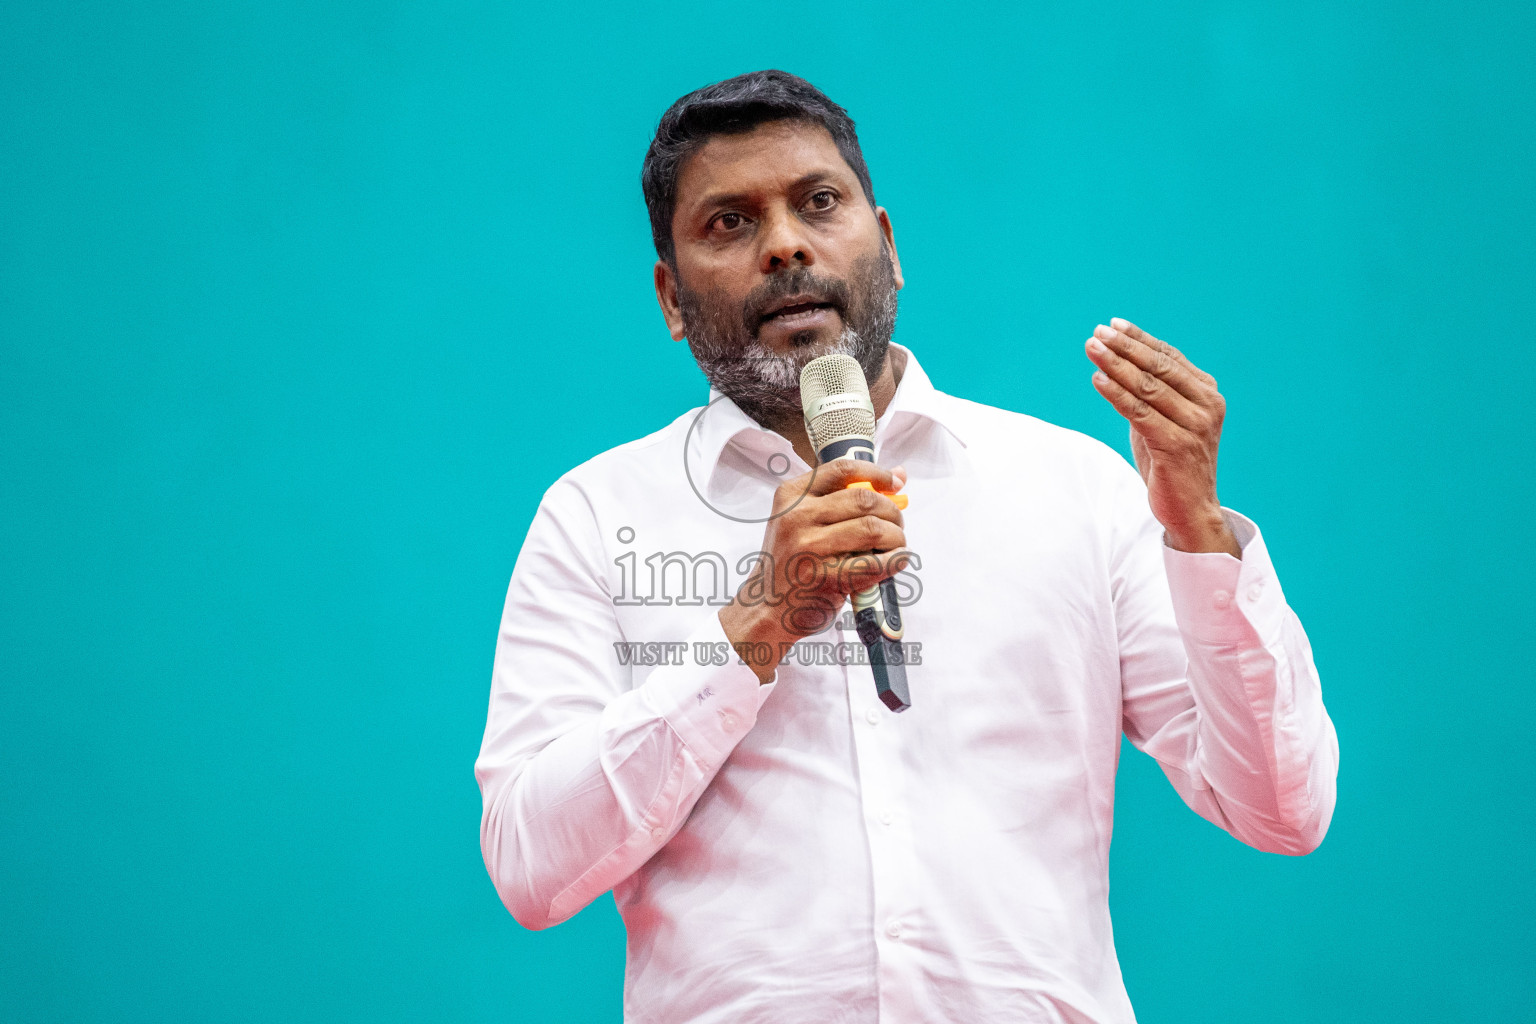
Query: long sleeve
[
  {"x": 1219, "y": 686},
  {"x": 583, "y": 775}
]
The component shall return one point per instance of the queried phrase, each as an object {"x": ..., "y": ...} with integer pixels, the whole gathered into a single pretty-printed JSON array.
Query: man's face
[{"x": 779, "y": 259}]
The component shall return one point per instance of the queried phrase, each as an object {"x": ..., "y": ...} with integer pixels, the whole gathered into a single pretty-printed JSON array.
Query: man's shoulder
[{"x": 643, "y": 461}]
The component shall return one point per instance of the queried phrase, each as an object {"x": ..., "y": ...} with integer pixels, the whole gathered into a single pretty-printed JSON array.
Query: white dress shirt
[{"x": 795, "y": 852}]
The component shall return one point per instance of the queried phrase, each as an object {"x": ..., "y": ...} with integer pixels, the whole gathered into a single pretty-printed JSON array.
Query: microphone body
[{"x": 840, "y": 422}]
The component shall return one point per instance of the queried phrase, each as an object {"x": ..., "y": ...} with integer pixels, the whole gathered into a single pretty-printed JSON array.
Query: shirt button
[
  {"x": 657, "y": 833},
  {"x": 729, "y": 722},
  {"x": 1255, "y": 590},
  {"x": 872, "y": 716},
  {"x": 893, "y": 928},
  {"x": 1221, "y": 599}
]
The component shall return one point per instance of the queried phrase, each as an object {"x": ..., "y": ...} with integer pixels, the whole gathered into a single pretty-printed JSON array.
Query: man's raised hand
[{"x": 1175, "y": 414}]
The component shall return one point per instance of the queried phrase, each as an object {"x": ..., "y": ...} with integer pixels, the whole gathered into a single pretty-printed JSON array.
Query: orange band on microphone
[{"x": 899, "y": 499}]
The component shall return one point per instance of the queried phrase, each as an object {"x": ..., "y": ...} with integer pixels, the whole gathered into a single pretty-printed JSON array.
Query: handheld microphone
[{"x": 840, "y": 422}]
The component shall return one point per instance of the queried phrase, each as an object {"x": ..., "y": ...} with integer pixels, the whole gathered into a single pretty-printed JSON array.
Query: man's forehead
[{"x": 772, "y": 155}]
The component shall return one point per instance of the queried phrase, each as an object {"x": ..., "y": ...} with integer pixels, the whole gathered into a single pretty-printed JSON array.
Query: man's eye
[
  {"x": 729, "y": 221},
  {"x": 823, "y": 200}
]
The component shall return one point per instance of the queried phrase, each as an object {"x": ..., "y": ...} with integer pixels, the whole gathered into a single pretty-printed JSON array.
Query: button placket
[{"x": 877, "y": 793}]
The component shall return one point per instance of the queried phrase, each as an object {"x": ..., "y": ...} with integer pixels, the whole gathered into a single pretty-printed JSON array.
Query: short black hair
[{"x": 734, "y": 106}]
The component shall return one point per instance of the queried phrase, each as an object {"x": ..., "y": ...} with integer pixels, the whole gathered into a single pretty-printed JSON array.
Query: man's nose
[{"x": 785, "y": 242}]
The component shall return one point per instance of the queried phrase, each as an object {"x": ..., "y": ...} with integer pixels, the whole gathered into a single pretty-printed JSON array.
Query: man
[{"x": 781, "y": 846}]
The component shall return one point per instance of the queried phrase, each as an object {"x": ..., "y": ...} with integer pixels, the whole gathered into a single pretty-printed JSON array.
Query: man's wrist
[
  {"x": 756, "y": 636},
  {"x": 1205, "y": 534}
]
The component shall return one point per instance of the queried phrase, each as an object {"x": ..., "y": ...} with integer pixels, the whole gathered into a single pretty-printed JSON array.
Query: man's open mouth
[{"x": 797, "y": 306}]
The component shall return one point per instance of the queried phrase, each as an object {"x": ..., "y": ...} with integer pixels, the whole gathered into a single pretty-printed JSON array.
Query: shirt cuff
[
  {"x": 710, "y": 706},
  {"x": 1220, "y": 599}
]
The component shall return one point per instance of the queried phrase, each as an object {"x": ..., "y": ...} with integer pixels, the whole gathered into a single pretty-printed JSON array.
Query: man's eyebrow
[{"x": 717, "y": 199}]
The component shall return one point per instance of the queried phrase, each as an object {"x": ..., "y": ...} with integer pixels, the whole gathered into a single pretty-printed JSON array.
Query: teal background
[{"x": 279, "y": 283}]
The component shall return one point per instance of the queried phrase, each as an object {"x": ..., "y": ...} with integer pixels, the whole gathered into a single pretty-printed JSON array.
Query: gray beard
[{"x": 765, "y": 384}]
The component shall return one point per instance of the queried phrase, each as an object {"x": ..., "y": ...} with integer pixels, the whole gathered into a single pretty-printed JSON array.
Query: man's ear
[
  {"x": 890, "y": 240},
  {"x": 666, "y": 297}
]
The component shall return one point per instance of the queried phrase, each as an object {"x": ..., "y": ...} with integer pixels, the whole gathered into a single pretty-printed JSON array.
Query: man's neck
[{"x": 882, "y": 389}]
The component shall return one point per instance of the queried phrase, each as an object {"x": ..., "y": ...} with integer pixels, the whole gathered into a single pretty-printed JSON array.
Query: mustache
[{"x": 799, "y": 282}]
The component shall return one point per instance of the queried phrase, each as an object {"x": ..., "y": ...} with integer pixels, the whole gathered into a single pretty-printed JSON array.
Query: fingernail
[
  {"x": 1100, "y": 377},
  {"x": 1120, "y": 323},
  {"x": 1095, "y": 345}
]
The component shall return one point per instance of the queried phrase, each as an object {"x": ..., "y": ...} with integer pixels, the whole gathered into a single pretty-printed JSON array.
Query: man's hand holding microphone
[{"x": 827, "y": 539}]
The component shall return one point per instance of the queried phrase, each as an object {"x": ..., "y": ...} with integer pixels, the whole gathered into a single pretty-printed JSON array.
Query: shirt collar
[{"x": 722, "y": 421}]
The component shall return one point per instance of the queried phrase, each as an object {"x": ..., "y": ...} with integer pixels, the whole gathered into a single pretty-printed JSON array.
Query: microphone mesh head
[{"x": 835, "y": 375}]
